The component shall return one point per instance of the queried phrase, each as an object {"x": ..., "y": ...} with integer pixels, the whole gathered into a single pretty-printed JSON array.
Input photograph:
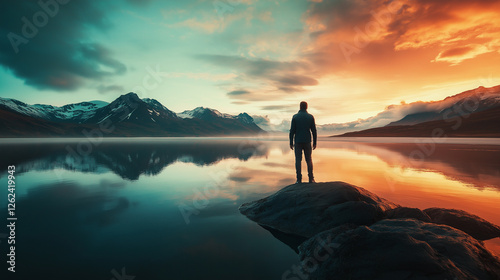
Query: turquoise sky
[{"x": 169, "y": 36}]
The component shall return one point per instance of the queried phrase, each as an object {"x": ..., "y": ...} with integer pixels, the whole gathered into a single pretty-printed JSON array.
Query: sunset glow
[{"x": 348, "y": 59}]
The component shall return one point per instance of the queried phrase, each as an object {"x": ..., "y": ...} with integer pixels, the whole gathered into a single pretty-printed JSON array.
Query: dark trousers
[{"x": 307, "y": 148}]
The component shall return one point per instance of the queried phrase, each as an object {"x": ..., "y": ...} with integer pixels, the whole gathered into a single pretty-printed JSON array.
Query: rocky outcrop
[
  {"x": 407, "y": 213},
  {"x": 397, "y": 249},
  {"x": 307, "y": 209},
  {"x": 350, "y": 233},
  {"x": 471, "y": 224}
]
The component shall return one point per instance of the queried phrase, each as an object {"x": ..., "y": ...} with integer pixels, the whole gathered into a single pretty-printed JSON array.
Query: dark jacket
[{"x": 302, "y": 126}]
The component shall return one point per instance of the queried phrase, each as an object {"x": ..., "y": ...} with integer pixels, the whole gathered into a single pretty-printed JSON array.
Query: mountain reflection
[
  {"x": 477, "y": 166},
  {"x": 129, "y": 160}
]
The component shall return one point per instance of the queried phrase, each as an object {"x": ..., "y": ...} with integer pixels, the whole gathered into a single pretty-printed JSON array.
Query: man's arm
[
  {"x": 314, "y": 133},
  {"x": 293, "y": 129}
]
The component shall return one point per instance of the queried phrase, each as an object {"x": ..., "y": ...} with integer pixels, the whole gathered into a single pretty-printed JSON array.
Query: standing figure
[{"x": 302, "y": 125}]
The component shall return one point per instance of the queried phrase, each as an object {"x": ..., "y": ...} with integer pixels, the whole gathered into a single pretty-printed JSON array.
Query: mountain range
[
  {"x": 473, "y": 113},
  {"x": 128, "y": 115}
]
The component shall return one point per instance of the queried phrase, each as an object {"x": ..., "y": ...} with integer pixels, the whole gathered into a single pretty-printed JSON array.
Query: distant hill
[
  {"x": 475, "y": 100},
  {"x": 485, "y": 123},
  {"x": 128, "y": 115}
]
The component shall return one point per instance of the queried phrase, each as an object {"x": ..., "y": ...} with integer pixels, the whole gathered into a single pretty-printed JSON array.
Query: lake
[{"x": 167, "y": 208}]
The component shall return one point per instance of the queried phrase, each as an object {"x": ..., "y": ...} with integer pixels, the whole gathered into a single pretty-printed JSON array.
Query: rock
[
  {"x": 345, "y": 232},
  {"x": 408, "y": 213},
  {"x": 307, "y": 209},
  {"x": 395, "y": 249},
  {"x": 471, "y": 224},
  {"x": 291, "y": 240}
]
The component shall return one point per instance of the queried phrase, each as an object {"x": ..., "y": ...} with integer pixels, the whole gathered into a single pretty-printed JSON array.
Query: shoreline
[{"x": 378, "y": 140}]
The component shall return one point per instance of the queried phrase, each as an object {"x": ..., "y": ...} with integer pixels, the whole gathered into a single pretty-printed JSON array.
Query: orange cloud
[
  {"x": 459, "y": 54},
  {"x": 367, "y": 54},
  {"x": 344, "y": 29}
]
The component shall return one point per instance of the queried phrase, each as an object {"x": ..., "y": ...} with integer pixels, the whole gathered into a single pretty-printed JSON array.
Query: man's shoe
[
  {"x": 312, "y": 180},
  {"x": 299, "y": 181}
]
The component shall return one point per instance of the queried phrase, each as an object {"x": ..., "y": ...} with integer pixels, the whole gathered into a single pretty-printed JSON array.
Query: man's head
[{"x": 303, "y": 105}]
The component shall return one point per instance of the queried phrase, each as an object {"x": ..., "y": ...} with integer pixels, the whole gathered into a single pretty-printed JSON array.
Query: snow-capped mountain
[
  {"x": 203, "y": 113},
  {"x": 471, "y": 101},
  {"x": 131, "y": 108},
  {"x": 128, "y": 115},
  {"x": 77, "y": 112},
  {"x": 158, "y": 108},
  {"x": 473, "y": 113},
  {"x": 209, "y": 114}
]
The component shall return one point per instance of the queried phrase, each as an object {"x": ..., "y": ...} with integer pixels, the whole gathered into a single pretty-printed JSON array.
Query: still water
[{"x": 168, "y": 208}]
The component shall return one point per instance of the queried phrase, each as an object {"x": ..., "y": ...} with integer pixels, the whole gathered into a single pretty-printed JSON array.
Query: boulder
[
  {"x": 469, "y": 223},
  {"x": 346, "y": 232},
  {"x": 395, "y": 249},
  {"x": 307, "y": 209},
  {"x": 407, "y": 213}
]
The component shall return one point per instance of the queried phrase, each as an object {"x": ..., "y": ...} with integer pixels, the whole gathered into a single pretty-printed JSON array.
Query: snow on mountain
[
  {"x": 158, "y": 108},
  {"x": 76, "y": 112},
  {"x": 130, "y": 108},
  {"x": 185, "y": 115},
  {"x": 21, "y": 107},
  {"x": 244, "y": 118},
  {"x": 120, "y": 109},
  {"x": 475, "y": 100},
  {"x": 189, "y": 114},
  {"x": 137, "y": 116},
  {"x": 79, "y": 111},
  {"x": 206, "y": 114}
]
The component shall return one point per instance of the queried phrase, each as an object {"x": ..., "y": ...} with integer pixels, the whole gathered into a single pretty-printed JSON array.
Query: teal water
[{"x": 168, "y": 208}]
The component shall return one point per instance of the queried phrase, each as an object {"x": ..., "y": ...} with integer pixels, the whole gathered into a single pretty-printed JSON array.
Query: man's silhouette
[{"x": 302, "y": 126}]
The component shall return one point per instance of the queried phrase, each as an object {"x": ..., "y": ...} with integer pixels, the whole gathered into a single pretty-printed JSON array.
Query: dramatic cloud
[
  {"x": 285, "y": 76},
  {"x": 404, "y": 43},
  {"x": 347, "y": 58},
  {"x": 362, "y": 35},
  {"x": 47, "y": 44},
  {"x": 456, "y": 55}
]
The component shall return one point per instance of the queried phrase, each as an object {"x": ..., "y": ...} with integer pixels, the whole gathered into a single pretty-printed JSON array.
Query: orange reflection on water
[{"x": 454, "y": 176}]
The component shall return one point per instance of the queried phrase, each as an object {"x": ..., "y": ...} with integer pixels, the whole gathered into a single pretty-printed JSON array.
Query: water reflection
[
  {"x": 129, "y": 160},
  {"x": 92, "y": 221},
  {"x": 474, "y": 165},
  {"x": 477, "y": 166},
  {"x": 72, "y": 230},
  {"x": 62, "y": 215}
]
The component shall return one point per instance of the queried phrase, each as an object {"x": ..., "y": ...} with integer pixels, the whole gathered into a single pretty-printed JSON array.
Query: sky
[{"x": 349, "y": 59}]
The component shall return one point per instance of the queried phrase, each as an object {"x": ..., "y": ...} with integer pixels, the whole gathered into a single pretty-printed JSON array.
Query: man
[{"x": 302, "y": 126}]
